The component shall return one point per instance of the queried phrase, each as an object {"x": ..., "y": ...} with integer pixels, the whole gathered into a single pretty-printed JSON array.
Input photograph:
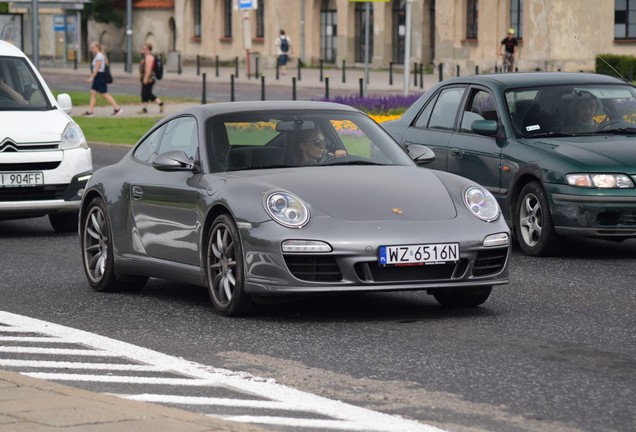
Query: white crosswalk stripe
[{"x": 181, "y": 380}]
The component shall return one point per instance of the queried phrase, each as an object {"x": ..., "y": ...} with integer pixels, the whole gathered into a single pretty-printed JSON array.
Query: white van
[{"x": 45, "y": 161}]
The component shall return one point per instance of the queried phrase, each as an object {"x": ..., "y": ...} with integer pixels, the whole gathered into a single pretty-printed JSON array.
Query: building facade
[{"x": 460, "y": 35}]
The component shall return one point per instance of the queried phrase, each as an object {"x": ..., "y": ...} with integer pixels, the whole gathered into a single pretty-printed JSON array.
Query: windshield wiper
[
  {"x": 355, "y": 162},
  {"x": 550, "y": 135},
  {"x": 619, "y": 131}
]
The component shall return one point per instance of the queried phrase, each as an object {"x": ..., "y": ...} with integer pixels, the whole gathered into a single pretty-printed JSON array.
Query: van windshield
[{"x": 20, "y": 88}]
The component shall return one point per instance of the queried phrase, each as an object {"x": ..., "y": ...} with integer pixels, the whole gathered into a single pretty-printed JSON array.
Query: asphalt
[{"x": 34, "y": 405}]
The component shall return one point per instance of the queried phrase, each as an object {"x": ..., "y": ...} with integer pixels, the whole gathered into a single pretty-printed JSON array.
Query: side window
[
  {"x": 425, "y": 115},
  {"x": 148, "y": 148},
  {"x": 181, "y": 134},
  {"x": 445, "y": 110},
  {"x": 481, "y": 106}
]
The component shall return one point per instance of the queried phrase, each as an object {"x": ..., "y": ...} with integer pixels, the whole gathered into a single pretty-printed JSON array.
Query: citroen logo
[{"x": 397, "y": 210}]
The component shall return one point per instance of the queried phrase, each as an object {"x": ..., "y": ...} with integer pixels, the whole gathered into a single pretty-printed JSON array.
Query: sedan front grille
[
  {"x": 314, "y": 268},
  {"x": 38, "y": 193},
  {"x": 373, "y": 272},
  {"x": 489, "y": 262},
  {"x": 626, "y": 218}
]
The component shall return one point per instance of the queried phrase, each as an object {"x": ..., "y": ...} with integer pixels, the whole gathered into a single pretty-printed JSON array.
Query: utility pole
[
  {"x": 129, "y": 34},
  {"x": 407, "y": 46},
  {"x": 35, "y": 33}
]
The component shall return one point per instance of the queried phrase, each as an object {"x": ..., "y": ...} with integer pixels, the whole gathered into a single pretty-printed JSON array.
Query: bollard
[
  {"x": 496, "y": 69},
  {"x": 293, "y": 88},
  {"x": 256, "y": 74},
  {"x": 236, "y": 68},
  {"x": 344, "y": 76},
  {"x": 75, "y": 59},
  {"x": 300, "y": 65},
  {"x": 216, "y": 66},
  {"x": 476, "y": 70},
  {"x": 361, "y": 87},
  {"x": 232, "y": 99},
  {"x": 390, "y": 73},
  {"x": 440, "y": 72},
  {"x": 125, "y": 62},
  {"x": 320, "y": 62},
  {"x": 421, "y": 75},
  {"x": 204, "y": 99},
  {"x": 277, "y": 69},
  {"x": 327, "y": 88},
  {"x": 198, "y": 65},
  {"x": 415, "y": 74},
  {"x": 457, "y": 70},
  {"x": 179, "y": 64},
  {"x": 263, "y": 88}
]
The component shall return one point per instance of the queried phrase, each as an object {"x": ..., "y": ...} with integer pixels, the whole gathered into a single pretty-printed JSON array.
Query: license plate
[
  {"x": 439, "y": 253},
  {"x": 21, "y": 179}
]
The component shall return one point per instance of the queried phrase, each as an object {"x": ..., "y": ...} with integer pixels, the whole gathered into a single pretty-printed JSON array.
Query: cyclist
[{"x": 509, "y": 51}]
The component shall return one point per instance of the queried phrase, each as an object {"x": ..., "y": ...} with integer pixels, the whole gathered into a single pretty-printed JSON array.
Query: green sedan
[{"x": 557, "y": 150}]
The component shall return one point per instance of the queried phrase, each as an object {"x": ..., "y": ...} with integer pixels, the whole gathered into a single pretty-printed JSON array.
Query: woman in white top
[{"x": 98, "y": 80}]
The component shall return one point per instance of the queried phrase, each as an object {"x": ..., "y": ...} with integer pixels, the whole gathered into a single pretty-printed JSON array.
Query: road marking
[
  {"x": 194, "y": 400},
  {"x": 44, "y": 364},
  {"x": 345, "y": 416}
]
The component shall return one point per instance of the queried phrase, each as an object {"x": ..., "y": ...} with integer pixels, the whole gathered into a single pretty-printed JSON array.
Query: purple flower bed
[{"x": 393, "y": 104}]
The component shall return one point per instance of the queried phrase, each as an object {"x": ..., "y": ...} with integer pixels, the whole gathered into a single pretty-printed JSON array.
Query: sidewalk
[{"x": 29, "y": 404}]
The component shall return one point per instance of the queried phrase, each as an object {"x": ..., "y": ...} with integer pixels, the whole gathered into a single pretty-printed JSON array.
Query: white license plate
[
  {"x": 21, "y": 179},
  {"x": 439, "y": 253}
]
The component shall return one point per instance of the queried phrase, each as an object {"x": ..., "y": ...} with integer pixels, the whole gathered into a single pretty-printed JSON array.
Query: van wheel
[{"x": 64, "y": 222}]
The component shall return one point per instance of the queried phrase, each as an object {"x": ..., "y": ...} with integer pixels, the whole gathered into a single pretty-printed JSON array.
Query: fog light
[
  {"x": 306, "y": 246},
  {"x": 500, "y": 239}
]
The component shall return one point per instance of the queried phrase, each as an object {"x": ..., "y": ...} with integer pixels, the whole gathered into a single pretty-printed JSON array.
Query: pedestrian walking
[
  {"x": 98, "y": 80},
  {"x": 147, "y": 77},
  {"x": 283, "y": 50}
]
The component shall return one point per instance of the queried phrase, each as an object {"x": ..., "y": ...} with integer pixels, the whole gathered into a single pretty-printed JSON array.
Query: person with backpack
[
  {"x": 283, "y": 47},
  {"x": 147, "y": 75}
]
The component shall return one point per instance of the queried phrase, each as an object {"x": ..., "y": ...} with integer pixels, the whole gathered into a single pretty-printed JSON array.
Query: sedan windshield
[
  {"x": 572, "y": 110},
  {"x": 299, "y": 138},
  {"x": 19, "y": 87}
]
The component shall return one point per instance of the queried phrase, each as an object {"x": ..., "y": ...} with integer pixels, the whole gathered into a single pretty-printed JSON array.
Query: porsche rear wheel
[
  {"x": 224, "y": 268},
  {"x": 97, "y": 252},
  {"x": 464, "y": 297},
  {"x": 533, "y": 225}
]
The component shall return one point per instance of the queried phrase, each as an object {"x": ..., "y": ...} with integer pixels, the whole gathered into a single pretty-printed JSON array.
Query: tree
[{"x": 104, "y": 11}]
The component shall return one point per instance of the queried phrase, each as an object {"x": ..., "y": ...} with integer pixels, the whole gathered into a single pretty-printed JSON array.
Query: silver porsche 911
[{"x": 262, "y": 199}]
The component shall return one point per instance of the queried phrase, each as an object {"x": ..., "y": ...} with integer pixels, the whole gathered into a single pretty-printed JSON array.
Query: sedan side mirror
[
  {"x": 420, "y": 154},
  {"x": 485, "y": 127},
  {"x": 174, "y": 160}
]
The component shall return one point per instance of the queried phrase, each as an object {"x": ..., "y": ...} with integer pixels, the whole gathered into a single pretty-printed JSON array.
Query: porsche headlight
[
  {"x": 287, "y": 209},
  {"x": 601, "y": 181},
  {"x": 481, "y": 203},
  {"x": 73, "y": 137}
]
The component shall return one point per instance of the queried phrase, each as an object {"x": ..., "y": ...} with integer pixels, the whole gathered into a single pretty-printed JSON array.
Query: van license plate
[{"x": 21, "y": 179}]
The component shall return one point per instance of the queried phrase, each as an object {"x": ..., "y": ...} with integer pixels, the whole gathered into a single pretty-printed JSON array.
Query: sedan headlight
[
  {"x": 287, "y": 209},
  {"x": 73, "y": 137},
  {"x": 481, "y": 203},
  {"x": 601, "y": 181}
]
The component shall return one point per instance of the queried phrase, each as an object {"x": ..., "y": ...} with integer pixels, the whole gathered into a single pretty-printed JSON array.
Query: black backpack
[
  {"x": 284, "y": 44},
  {"x": 158, "y": 67}
]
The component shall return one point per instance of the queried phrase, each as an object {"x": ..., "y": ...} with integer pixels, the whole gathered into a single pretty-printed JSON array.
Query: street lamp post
[
  {"x": 129, "y": 34},
  {"x": 35, "y": 33}
]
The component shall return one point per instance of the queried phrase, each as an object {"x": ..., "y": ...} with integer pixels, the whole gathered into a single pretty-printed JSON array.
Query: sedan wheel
[
  {"x": 97, "y": 252},
  {"x": 535, "y": 231},
  {"x": 465, "y": 297},
  {"x": 224, "y": 267}
]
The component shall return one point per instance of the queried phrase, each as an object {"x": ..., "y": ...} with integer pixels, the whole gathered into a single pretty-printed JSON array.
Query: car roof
[
  {"x": 532, "y": 79},
  {"x": 8, "y": 49},
  {"x": 263, "y": 106}
]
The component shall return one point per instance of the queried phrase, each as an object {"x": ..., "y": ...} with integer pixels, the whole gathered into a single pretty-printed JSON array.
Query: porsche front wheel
[
  {"x": 224, "y": 268},
  {"x": 464, "y": 297}
]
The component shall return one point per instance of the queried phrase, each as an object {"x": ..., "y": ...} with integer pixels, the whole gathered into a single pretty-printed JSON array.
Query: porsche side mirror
[{"x": 174, "y": 160}]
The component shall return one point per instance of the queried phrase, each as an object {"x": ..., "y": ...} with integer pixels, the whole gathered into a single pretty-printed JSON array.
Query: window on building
[
  {"x": 197, "y": 18},
  {"x": 260, "y": 19},
  {"x": 471, "y": 19},
  {"x": 328, "y": 30},
  {"x": 516, "y": 17},
  {"x": 227, "y": 19},
  {"x": 361, "y": 28},
  {"x": 399, "y": 30},
  {"x": 625, "y": 19}
]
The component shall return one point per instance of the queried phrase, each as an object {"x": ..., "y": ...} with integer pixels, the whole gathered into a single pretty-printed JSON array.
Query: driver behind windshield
[
  {"x": 308, "y": 147},
  {"x": 583, "y": 107}
]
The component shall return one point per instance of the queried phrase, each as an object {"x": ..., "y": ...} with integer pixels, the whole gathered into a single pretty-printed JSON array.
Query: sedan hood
[
  {"x": 599, "y": 152},
  {"x": 363, "y": 193},
  {"x": 43, "y": 126}
]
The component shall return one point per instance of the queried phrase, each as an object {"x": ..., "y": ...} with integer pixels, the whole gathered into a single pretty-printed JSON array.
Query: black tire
[
  {"x": 64, "y": 222},
  {"x": 97, "y": 252},
  {"x": 533, "y": 222},
  {"x": 464, "y": 297},
  {"x": 224, "y": 267}
]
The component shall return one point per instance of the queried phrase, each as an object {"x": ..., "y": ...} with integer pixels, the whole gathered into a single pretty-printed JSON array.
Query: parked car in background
[
  {"x": 45, "y": 161},
  {"x": 557, "y": 150},
  {"x": 262, "y": 199}
]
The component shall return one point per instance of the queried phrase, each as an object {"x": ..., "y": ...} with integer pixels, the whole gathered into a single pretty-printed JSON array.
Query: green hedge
[{"x": 625, "y": 65}]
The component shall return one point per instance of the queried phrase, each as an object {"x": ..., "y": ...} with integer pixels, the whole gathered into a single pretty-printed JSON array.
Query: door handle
[
  {"x": 137, "y": 193},
  {"x": 457, "y": 152}
]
